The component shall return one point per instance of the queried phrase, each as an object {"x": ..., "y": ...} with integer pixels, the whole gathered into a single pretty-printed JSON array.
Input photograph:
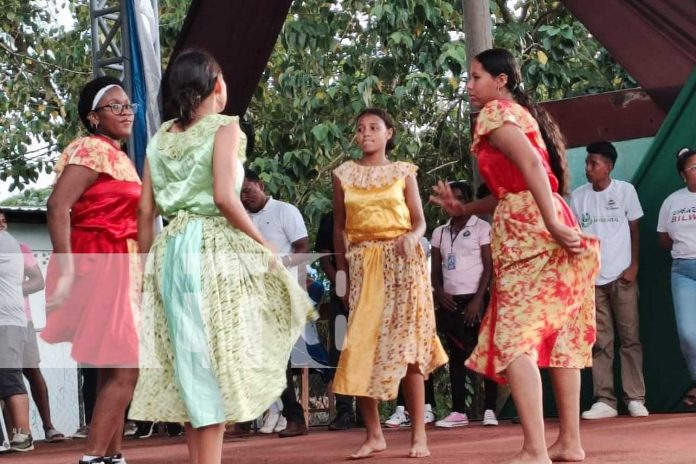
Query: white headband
[{"x": 101, "y": 93}]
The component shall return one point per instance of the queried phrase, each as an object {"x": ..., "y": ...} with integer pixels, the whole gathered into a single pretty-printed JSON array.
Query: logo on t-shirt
[
  {"x": 466, "y": 233},
  {"x": 586, "y": 220},
  {"x": 684, "y": 214},
  {"x": 611, "y": 204}
]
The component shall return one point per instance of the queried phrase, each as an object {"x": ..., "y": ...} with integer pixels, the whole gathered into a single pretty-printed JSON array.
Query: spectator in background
[
  {"x": 34, "y": 282},
  {"x": 609, "y": 209},
  {"x": 676, "y": 231},
  {"x": 338, "y": 320},
  {"x": 13, "y": 323},
  {"x": 281, "y": 224},
  {"x": 461, "y": 273}
]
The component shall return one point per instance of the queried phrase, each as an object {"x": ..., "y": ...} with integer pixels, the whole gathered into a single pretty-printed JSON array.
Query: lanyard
[{"x": 453, "y": 237}]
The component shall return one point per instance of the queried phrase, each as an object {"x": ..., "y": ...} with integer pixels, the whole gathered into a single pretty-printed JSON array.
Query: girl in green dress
[{"x": 220, "y": 314}]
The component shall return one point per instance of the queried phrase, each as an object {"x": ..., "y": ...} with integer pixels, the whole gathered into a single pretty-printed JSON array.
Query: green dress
[{"x": 219, "y": 314}]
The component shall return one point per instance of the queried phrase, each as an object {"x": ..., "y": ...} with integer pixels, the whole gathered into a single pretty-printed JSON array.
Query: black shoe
[
  {"x": 144, "y": 430},
  {"x": 342, "y": 421},
  {"x": 97, "y": 460},
  {"x": 117, "y": 459},
  {"x": 174, "y": 429},
  {"x": 294, "y": 429}
]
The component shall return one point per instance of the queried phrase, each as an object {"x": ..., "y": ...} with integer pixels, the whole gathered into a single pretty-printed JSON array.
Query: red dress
[
  {"x": 543, "y": 296},
  {"x": 99, "y": 316}
]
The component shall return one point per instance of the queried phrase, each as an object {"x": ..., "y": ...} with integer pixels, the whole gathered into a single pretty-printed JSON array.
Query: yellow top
[{"x": 375, "y": 200}]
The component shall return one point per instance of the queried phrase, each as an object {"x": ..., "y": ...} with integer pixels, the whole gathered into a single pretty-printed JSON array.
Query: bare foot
[
  {"x": 369, "y": 447},
  {"x": 566, "y": 453},
  {"x": 419, "y": 450},
  {"x": 525, "y": 458}
]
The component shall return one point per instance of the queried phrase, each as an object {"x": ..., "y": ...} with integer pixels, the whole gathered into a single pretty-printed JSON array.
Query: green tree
[
  {"x": 29, "y": 197},
  {"x": 332, "y": 59},
  {"x": 43, "y": 65}
]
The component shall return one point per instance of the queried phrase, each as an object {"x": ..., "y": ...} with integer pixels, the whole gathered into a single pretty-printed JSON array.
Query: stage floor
[{"x": 660, "y": 438}]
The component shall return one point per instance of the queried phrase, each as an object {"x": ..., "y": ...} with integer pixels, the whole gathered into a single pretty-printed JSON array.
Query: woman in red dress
[
  {"x": 542, "y": 307},
  {"x": 93, "y": 277}
]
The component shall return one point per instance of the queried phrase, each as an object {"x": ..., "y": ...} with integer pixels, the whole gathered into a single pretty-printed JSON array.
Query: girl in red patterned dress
[
  {"x": 93, "y": 281},
  {"x": 542, "y": 307}
]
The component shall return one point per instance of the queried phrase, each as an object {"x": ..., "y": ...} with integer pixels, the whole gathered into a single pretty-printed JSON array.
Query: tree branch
[{"x": 505, "y": 12}]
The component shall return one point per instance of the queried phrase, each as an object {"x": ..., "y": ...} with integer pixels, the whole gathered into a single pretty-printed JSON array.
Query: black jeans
[
  {"x": 292, "y": 409},
  {"x": 461, "y": 341},
  {"x": 344, "y": 404}
]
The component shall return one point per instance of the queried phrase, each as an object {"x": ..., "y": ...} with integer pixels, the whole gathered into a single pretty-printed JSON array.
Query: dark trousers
[
  {"x": 344, "y": 404},
  {"x": 461, "y": 341},
  {"x": 429, "y": 393},
  {"x": 292, "y": 409},
  {"x": 89, "y": 391}
]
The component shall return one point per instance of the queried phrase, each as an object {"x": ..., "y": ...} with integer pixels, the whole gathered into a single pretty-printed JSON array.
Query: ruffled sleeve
[
  {"x": 99, "y": 155},
  {"x": 498, "y": 112}
]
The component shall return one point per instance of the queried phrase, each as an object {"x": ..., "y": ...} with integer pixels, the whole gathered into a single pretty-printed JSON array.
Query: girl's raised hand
[{"x": 444, "y": 198}]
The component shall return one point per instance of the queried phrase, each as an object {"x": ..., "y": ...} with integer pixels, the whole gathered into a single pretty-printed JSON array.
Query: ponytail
[
  {"x": 553, "y": 138},
  {"x": 498, "y": 61},
  {"x": 192, "y": 79}
]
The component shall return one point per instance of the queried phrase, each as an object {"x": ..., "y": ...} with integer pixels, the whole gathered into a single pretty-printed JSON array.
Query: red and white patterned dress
[{"x": 542, "y": 301}]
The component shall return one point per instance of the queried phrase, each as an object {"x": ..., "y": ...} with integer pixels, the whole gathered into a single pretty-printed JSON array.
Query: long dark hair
[
  {"x": 498, "y": 61},
  {"x": 192, "y": 79}
]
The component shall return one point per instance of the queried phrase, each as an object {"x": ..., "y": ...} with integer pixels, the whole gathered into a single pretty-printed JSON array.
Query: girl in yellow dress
[{"x": 391, "y": 326}]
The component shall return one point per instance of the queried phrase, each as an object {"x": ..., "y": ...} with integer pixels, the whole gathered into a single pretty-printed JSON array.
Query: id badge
[{"x": 451, "y": 261}]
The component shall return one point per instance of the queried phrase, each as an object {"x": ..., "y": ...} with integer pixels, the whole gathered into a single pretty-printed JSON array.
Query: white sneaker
[
  {"x": 397, "y": 419},
  {"x": 600, "y": 410},
  {"x": 453, "y": 419},
  {"x": 269, "y": 422},
  {"x": 129, "y": 428},
  {"x": 489, "y": 417},
  {"x": 637, "y": 409},
  {"x": 281, "y": 425},
  {"x": 429, "y": 415}
]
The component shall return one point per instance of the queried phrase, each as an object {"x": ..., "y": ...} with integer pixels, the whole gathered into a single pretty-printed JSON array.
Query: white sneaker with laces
[
  {"x": 269, "y": 422},
  {"x": 489, "y": 417},
  {"x": 600, "y": 410},
  {"x": 396, "y": 419},
  {"x": 281, "y": 425},
  {"x": 637, "y": 409},
  {"x": 429, "y": 415},
  {"x": 453, "y": 419}
]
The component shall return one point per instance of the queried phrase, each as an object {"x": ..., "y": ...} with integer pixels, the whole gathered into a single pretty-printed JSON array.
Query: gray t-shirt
[{"x": 11, "y": 278}]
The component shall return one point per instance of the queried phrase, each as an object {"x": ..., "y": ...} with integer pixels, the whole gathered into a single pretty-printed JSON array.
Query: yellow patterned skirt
[
  {"x": 542, "y": 301},
  {"x": 391, "y": 322}
]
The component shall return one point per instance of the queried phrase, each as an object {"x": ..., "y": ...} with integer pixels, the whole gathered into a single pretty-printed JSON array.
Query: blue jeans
[{"x": 683, "y": 296}]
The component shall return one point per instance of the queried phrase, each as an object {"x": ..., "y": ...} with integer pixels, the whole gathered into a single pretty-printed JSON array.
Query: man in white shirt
[
  {"x": 609, "y": 209},
  {"x": 281, "y": 224},
  {"x": 13, "y": 323}
]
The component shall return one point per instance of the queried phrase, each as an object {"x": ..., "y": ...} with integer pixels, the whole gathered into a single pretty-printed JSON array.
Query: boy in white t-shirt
[
  {"x": 609, "y": 209},
  {"x": 461, "y": 272}
]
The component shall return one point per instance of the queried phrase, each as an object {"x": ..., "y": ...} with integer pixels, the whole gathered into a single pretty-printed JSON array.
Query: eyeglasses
[{"x": 118, "y": 108}]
